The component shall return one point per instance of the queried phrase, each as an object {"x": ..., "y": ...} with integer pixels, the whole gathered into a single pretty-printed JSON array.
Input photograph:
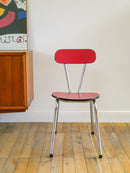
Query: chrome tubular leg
[
  {"x": 91, "y": 114},
  {"x": 53, "y": 131},
  {"x": 97, "y": 130},
  {"x": 57, "y": 115}
]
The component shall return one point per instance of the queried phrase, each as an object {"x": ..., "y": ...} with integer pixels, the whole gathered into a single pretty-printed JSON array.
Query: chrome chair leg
[
  {"x": 91, "y": 115},
  {"x": 53, "y": 130},
  {"x": 57, "y": 115},
  {"x": 97, "y": 130}
]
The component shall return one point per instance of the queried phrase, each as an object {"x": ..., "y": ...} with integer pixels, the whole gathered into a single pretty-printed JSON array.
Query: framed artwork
[{"x": 13, "y": 25}]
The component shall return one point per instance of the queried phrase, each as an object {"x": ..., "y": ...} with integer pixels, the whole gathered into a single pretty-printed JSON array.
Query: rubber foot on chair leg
[
  {"x": 92, "y": 133},
  {"x": 100, "y": 156},
  {"x": 51, "y": 155},
  {"x": 55, "y": 132}
]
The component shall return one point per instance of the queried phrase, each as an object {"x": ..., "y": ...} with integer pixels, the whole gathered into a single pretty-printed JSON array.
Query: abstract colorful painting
[{"x": 13, "y": 25}]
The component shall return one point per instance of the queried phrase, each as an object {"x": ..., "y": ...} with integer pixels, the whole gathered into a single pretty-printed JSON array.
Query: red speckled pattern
[
  {"x": 75, "y": 56},
  {"x": 75, "y": 96}
]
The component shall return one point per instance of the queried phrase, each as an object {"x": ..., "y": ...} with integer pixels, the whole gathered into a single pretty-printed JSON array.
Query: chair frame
[{"x": 93, "y": 106}]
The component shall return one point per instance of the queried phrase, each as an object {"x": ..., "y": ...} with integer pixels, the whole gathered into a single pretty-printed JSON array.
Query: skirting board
[{"x": 65, "y": 116}]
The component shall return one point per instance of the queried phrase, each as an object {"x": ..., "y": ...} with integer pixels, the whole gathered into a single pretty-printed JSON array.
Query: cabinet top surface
[{"x": 14, "y": 52}]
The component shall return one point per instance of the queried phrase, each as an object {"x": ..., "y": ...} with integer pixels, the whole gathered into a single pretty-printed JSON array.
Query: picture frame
[{"x": 13, "y": 25}]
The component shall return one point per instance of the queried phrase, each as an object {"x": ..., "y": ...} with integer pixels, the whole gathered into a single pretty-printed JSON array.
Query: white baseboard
[{"x": 65, "y": 116}]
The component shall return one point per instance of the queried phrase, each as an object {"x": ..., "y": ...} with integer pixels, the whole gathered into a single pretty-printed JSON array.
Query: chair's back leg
[
  {"x": 57, "y": 115},
  {"x": 97, "y": 130},
  {"x": 91, "y": 115},
  {"x": 53, "y": 130}
]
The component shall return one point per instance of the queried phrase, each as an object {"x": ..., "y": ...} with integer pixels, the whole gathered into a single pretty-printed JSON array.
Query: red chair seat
[{"x": 75, "y": 96}]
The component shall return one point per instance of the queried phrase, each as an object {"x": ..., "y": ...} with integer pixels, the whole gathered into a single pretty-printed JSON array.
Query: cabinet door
[{"x": 12, "y": 82}]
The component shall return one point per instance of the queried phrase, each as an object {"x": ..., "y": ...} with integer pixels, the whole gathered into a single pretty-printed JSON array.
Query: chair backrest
[{"x": 75, "y": 56}]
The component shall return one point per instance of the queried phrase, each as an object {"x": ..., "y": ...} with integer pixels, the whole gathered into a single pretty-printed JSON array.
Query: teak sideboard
[{"x": 16, "y": 81}]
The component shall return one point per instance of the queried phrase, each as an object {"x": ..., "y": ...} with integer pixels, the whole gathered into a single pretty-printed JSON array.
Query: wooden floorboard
[{"x": 24, "y": 148}]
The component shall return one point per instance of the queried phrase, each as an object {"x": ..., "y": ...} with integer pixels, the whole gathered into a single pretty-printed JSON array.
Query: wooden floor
[{"x": 24, "y": 147}]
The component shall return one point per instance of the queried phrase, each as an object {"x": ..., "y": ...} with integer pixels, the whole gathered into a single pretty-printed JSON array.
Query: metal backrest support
[{"x": 75, "y": 56}]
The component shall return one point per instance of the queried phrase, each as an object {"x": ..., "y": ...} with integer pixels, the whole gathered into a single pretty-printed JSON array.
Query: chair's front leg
[
  {"x": 57, "y": 115},
  {"x": 97, "y": 130},
  {"x": 53, "y": 131},
  {"x": 91, "y": 115}
]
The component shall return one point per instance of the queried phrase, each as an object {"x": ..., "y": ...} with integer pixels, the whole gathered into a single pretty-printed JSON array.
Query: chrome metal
[
  {"x": 91, "y": 115},
  {"x": 57, "y": 115},
  {"x": 53, "y": 130},
  {"x": 84, "y": 67},
  {"x": 97, "y": 130},
  {"x": 67, "y": 77}
]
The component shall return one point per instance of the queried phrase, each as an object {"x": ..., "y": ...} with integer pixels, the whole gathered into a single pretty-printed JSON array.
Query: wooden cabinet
[{"x": 16, "y": 81}]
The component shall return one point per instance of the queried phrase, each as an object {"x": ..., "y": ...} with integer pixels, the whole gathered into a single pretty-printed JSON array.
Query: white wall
[{"x": 99, "y": 24}]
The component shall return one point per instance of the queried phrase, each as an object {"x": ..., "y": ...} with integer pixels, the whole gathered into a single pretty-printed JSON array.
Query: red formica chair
[{"x": 76, "y": 56}]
